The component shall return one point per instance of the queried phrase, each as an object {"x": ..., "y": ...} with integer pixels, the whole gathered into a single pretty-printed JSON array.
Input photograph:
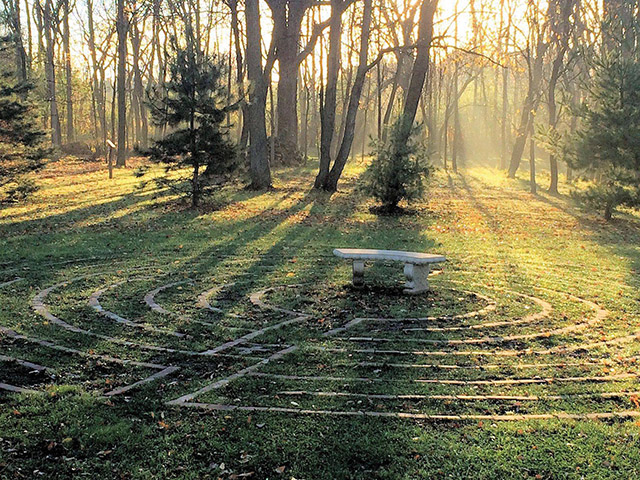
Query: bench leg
[
  {"x": 417, "y": 278},
  {"x": 358, "y": 273}
]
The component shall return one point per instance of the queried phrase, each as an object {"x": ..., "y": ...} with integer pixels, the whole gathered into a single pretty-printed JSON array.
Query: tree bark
[
  {"x": 122, "y": 27},
  {"x": 66, "y": 42},
  {"x": 50, "y": 73},
  {"x": 420, "y": 69},
  {"x": 29, "y": 36},
  {"x": 532, "y": 165},
  {"x": 328, "y": 106},
  {"x": 532, "y": 99},
  {"x": 287, "y": 17},
  {"x": 354, "y": 101},
  {"x": 142, "y": 122},
  {"x": 259, "y": 168},
  {"x": 455, "y": 147},
  {"x": 528, "y": 110},
  {"x": 97, "y": 75},
  {"x": 15, "y": 27},
  {"x": 503, "y": 123},
  {"x": 456, "y": 98},
  {"x": 560, "y": 28},
  {"x": 235, "y": 29}
]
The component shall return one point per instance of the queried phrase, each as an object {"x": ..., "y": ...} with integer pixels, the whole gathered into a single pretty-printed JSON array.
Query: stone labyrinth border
[
  {"x": 443, "y": 348},
  {"x": 600, "y": 314}
]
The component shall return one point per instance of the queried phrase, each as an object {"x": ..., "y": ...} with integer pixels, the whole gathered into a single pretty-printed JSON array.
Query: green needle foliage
[
  {"x": 398, "y": 171},
  {"x": 191, "y": 104},
  {"x": 21, "y": 141},
  {"x": 607, "y": 146}
]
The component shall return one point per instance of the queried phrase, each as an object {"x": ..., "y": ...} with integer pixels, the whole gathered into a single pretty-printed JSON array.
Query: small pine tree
[
  {"x": 398, "y": 171},
  {"x": 606, "y": 148},
  {"x": 190, "y": 103},
  {"x": 22, "y": 150}
]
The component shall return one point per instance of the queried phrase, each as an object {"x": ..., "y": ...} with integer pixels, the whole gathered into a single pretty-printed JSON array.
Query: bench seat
[{"x": 416, "y": 265}]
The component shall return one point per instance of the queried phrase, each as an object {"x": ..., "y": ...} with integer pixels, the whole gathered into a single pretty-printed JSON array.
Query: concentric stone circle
[{"x": 274, "y": 344}]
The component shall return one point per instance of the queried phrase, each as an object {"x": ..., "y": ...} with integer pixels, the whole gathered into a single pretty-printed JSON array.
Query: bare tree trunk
[
  {"x": 535, "y": 68},
  {"x": 392, "y": 97},
  {"x": 259, "y": 170},
  {"x": 528, "y": 109},
  {"x": 456, "y": 121},
  {"x": 456, "y": 99},
  {"x": 42, "y": 52},
  {"x": 575, "y": 95},
  {"x": 553, "y": 162},
  {"x": 235, "y": 28},
  {"x": 346, "y": 81},
  {"x": 521, "y": 138},
  {"x": 114, "y": 88},
  {"x": 66, "y": 42},
  {"x": 305, "y": 130},
  {"x": 420, "y": 69},
  {"x": 532, "y": 164},
  {"x": 560, "y": 23},
  {"x": 496, "y": 83},
  {"x": 504, "y": 127},
  {"x": 288, "y": 15},
  {"x": 50, "y": 73},
  {"x": 98, "y": 81},
  {"x": 27, "y": 10},
  {"x": 15, "y": 27},
  {"x": 503, "y": 123},
  {"x": 328, "y": 106},
  {"x": 379, "y": 96},
  {"x": 407, "y": 27},
  {"x": 354, "y": 101},
  {"x": 122, "y": 27},
  {"x": 445, "y": 139},
  {"x": 142, "y": 123}
]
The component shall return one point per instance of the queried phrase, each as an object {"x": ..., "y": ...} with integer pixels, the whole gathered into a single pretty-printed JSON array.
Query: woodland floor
[{"x": 152, "y": 341}]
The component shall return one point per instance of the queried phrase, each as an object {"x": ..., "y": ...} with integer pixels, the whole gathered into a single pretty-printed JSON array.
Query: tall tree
[
  {"x": 97, "y": 75},
  {"x": 330, "y": 93},
  {"x": 503, "y": 38},
  {"x": 534, "y": 55},
  {"x": 138, "y": 100},
  {"x": 406, "y": 18},
  {"x": 560, "y": 29},
  {"x": 12, "y": 16},
  {"x": 235, "y": 30},
  {"x": 287, "y": 18},
  {"x": 259, "y": 168},
  {"x": 607, "y": 145},
  {"x": 419, "y": 73},
  {"x": 21, "y": 142},
  {"x": 191, "y": 102},
  {"x": 122, "y": 27},
  {"x": 66, "y": 42},
  {"x": 48, "y": 18},
  {"x": 331, "y": 183},
  {"x": 328, "y": 174}
]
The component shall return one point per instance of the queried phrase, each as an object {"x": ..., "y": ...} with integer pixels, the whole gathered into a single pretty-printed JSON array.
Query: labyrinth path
[{"x": 461, "y": 352}]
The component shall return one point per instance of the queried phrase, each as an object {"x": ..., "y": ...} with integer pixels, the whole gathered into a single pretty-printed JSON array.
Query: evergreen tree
[
  {"x": 399, "y": 169},
  {"x": 191, "y": 104},
  {"x": 21, "y": 142},
  {"x": 607, "y": 145}
]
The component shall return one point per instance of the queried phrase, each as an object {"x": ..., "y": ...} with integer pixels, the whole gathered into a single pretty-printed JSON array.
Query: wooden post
[{"x": 111, "y": 147}]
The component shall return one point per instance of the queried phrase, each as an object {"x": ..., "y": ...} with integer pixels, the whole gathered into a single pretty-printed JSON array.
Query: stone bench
[{"x": 416, "y": 265}]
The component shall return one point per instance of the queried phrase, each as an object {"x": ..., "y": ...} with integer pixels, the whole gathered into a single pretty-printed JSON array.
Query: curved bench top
[{"x": 414, "y": 258}]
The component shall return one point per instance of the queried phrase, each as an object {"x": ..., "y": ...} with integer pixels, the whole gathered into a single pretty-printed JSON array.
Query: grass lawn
[{"x": 106, "y": 284}]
